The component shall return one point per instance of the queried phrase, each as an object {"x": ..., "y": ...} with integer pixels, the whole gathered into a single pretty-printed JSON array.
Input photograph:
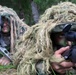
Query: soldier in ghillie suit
[
  {"x": 36, "y": 53},
  {"x": 11, "y": 28}
]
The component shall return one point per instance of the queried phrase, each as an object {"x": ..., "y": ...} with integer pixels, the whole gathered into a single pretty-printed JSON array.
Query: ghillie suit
[
  {"x": 36, "y": 44},
  {"x": 18, "y": 27}
]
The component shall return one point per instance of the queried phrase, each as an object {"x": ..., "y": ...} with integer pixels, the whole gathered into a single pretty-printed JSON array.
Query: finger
[
  {"x": 4, "y": 61},
  {"x": 55, "y": 66},
  {"x": 62, "y": 71},
  {"x": 61, "y": 50},
  {"x": 58, "y": 68},
  {"x": 0, "y": 61},
  {"x": 67, "y": 64},
  {"x": 69, "y": 43}
]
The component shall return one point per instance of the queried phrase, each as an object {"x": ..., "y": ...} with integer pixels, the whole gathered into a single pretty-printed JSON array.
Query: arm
[{"x": 59, "y": 68}]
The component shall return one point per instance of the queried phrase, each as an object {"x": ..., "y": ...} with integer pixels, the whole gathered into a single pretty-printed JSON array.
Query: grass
[{"x": 2, "y": 68}]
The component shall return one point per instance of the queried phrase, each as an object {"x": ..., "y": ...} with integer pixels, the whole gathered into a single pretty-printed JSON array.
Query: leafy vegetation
[{"x": 2, "y": 68}]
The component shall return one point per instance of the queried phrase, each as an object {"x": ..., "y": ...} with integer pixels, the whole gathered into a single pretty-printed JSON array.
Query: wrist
[{"x": 56, "y": 59}]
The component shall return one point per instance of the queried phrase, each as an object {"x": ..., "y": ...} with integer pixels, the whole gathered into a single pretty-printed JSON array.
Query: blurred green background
[{"x": 30, "y": 10}]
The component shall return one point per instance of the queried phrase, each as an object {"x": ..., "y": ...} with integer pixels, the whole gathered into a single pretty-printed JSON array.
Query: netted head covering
[
  {"x": 12, "y": 16},
  {"x": 36, "y": 43},
  {"x": 18, "y": 27},
  {"x": 64, "y": 12}
]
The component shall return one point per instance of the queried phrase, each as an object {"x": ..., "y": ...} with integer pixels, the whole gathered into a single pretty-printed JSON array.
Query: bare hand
[
  {"x": 63, "y": 66},
  {"x": 4, "y": 61}
]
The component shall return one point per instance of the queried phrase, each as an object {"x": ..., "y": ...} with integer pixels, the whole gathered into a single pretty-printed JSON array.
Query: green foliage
[
  {"x": 2, "y": 68},
  {"x": 44, "y": 4},
  {"x": 74, "y": 1}
]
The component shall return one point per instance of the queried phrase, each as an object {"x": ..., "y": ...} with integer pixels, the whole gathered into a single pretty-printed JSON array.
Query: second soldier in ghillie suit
[
  {"x": 16, "y": 29},
  {"x": 36, "y": 44}
]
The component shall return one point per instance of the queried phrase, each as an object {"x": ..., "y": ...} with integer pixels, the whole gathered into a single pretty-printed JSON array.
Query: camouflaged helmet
[
  {"x": 64, "y": 12},
  {"x": 60, "y": 27}
]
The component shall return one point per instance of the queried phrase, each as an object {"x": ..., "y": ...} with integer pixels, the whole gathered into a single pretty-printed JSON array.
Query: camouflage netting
[
  {"x": 65, "y": 12},
  {"x": 8, "y": 72},
  {"x": 36, "y": 43},
  {"x": 16, "y": 25},
  {"x": 15, "y": 22}
]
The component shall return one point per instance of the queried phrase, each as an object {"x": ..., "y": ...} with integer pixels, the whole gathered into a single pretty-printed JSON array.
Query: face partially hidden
[
  {"x": 60, "y": 40},
  {"x": 6, "y": 27}
]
